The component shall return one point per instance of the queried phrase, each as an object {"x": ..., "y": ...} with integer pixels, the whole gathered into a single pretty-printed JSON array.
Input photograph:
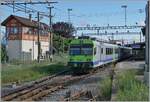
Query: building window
[
  {"x": 20, "y": 30},
  {"x": 25, "y": 30},
  {"x": 7, "y": 30},
  {"x": 13, "y": 30}
]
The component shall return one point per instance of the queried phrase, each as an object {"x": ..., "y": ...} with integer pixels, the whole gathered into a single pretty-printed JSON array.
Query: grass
[
  {"x": 21, "y": 72},
  {"x": 57, "y": 58},
  {"x": 105, "y": 88},
  {"x": 130, "y": 89}
]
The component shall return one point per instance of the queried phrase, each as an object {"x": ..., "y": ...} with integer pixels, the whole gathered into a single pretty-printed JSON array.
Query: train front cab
[{"x": 81, "y": 57}]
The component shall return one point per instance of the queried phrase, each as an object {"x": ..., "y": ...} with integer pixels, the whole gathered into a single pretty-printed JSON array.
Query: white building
[{"x": 22, "y": 38}]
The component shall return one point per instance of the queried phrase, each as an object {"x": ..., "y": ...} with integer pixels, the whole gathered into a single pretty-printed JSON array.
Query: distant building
[
  {"x": 119, "y": 42},
  {"x": 22, "y": 35},
  {"x": 138, "y": 50}
]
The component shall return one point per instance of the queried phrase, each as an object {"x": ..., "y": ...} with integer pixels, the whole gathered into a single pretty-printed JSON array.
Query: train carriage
[{"x": 87, "y": 53}]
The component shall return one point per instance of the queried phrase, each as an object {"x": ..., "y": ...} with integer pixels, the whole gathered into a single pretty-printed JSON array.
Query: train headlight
[
  {"x": 88, "y": 59},
  {"x": 75, "y": 65}
]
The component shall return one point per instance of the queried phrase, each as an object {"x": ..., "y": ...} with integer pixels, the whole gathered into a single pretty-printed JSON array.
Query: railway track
[
  {"x": 83, "y": 95},
  {"x": 30, "y": 87},
  {"x": 43, "y": 87},
  {"x": 38, "y": 91}
]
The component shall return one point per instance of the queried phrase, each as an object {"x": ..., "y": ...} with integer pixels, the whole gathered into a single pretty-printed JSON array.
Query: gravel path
[{"x": 90, "y": 83}]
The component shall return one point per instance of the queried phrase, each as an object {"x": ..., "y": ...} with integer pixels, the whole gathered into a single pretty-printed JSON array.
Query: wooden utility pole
[
  {"x": 38, "y": 20},
  {"x": 51, "y": 35}
]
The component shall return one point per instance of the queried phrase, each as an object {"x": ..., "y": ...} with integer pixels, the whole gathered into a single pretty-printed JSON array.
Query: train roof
[
  {"x": 88, "y": 40},
  {"x": 92, "y": 41},
  {"x": 79, "y": 41}
]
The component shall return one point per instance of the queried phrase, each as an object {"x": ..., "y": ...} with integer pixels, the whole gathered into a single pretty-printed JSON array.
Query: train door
[
  {"x": 100, "y": 53},
  {"x": 103, "y": 48}
]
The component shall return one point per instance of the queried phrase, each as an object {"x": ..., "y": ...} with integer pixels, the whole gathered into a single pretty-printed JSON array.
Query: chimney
[{"x": 30, "y": 17}]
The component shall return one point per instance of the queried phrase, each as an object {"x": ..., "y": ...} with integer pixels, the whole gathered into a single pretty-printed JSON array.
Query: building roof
[
  {"x": 136, "y": 45},
  {"x": 25, "y": 21}
]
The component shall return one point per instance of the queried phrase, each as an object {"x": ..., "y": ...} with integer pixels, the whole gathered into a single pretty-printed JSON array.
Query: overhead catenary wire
[
  {"x": 18, "y": 3},
  {"x": 23, "y": 8}
]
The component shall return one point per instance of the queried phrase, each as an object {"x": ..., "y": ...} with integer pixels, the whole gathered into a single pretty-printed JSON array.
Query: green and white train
[{"x": 86, "y": 53}]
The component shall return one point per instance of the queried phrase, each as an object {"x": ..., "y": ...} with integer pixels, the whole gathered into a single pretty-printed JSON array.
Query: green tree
[
  {"x": 63, "y": 33},
  {"x": 61, "y": 43}
]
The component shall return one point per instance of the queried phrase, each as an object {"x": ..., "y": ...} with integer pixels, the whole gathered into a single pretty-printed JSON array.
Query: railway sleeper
[{"x": 43, "y": 93}]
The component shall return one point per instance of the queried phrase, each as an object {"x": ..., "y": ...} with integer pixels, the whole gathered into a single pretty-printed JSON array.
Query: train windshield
[
  {"x": 87, "y": 51},
  {"x": 81, "y": 50},
  {"x": 75, "y": 51}
]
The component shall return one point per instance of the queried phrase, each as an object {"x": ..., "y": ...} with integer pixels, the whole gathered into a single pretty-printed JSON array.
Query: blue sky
[{"x": 93, "y": 12}]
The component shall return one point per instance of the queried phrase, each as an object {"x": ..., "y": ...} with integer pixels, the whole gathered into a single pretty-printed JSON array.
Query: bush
[
  {"x": 130, "y": 89},
  {"x": 105, "y": 88},
  {"x": 3, "y": 51}
]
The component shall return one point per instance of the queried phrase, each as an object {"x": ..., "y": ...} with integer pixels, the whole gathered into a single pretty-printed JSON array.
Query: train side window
[
  {"x": 101, "y": 50},
  {"x": 95, "y": 51},
  {"x": 107, "y": 51},
  {"x": 111, "y": 50},
  {"x": 116, "y": 50}
]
